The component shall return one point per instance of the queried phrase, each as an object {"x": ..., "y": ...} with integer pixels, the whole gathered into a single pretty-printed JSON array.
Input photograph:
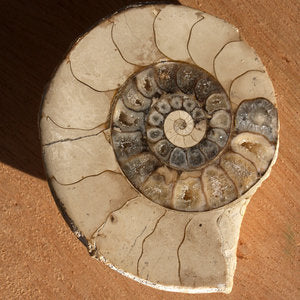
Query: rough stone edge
[
  {"x": 227, "y": 287},
  {"x": 167, "y": 288}
]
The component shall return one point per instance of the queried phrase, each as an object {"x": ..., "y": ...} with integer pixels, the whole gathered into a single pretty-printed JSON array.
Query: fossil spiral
[
  {"x": 176, "y": 117},
  {"x": 156, "y": 130}
]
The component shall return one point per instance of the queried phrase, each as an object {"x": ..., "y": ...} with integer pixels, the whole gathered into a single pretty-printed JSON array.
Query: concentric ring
[{"x": 181, "y": 124}]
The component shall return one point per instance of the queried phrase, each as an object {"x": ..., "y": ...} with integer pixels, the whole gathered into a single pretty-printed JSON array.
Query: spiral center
[
  {"x": 179, "y": 124},
  {"x": 169, "y": 116},
  {"x": 178, "y": 127}
]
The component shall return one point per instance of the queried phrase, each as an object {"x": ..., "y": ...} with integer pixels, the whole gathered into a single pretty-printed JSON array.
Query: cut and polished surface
[
  {"x": 177, "y": 115},
  {"x": 170, "y": 145},
  {"x": 169, "y": 110}
]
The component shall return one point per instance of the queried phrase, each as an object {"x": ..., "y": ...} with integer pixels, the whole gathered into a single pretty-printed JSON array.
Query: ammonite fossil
[{"x": 156, "y": 129}]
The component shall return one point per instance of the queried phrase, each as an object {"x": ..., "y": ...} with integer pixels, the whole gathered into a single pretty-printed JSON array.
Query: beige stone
[
  {"x": 95, "y": 60},
  {"x": 207, "y": 38},
  {"x": 122, "y": 236},
  {"x": 189, "y": 141},
  {"x": 178, "y": 125},
  {"x": 71, "y": 161},
  {"x": 181, "y": 131},
  {"x": 82, "y": 107},
  {"x": 188, "y": 195},
  {"x": 253, "y": 84},
  {"x": 202, "y": 236},
  {"x": 169, "y": 174},
  {"x": 233, "y": 60},
  {"x": 255, "y": 148},
  {"x": 199, "y": 131},
  {"x": 143, "y": 208},
  {"x": 54, "y": 133},
  {"x": 158, "y": 188},
  {"x": 89, "y": 202},
  {"x": 229, "y": 224},
  {"x": 85, "y": 111},
  {"x": 160, "y": 262},
  {"x": 174, "y": 45},
  {"x": 133, "y": 35}
]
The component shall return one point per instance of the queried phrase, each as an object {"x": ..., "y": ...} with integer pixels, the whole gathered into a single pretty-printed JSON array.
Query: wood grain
[{"x": 39, "y": 256}]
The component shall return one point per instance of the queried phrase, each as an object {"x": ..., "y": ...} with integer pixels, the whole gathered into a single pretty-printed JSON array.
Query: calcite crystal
[{"x": 156, "y": 130}]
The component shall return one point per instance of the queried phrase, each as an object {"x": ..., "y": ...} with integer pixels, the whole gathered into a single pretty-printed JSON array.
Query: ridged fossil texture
[{"x": 156, "y": 130}]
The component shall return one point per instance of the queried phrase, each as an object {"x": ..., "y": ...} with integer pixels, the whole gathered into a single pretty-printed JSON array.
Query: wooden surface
[{"x": 39, "y": 256}]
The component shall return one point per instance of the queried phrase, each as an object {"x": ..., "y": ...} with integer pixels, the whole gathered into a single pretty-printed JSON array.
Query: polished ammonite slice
[
  {"x": 156, "y": 130},
  {"x": 175, "y": 118}
]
